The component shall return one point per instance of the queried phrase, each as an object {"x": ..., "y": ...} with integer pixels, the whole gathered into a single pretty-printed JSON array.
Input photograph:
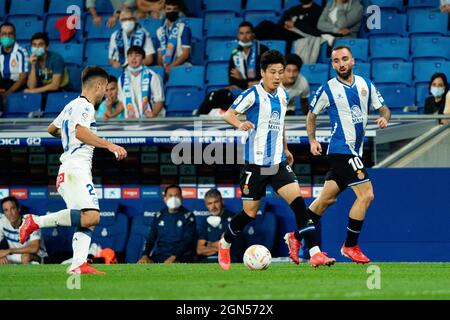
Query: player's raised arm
[
  {"x": 385, "y": 116},
  {"x": 316, "y": 148}
]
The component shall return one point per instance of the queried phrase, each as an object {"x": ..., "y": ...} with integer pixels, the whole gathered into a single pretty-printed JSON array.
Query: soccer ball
[{"x": 257, "y": 257}]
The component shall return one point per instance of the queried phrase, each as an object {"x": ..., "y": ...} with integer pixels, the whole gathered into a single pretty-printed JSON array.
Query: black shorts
[
  {"x": 254, "y": 179},
  {"x": 347, "y": 170}
]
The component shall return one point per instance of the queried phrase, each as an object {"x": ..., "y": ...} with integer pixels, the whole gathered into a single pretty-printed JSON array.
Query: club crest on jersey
[
  {"x": 360, "y": 174},
  {"x": 363, "y": 92},
  {"x": 357, "y": 116},
  {"x": 274, "y": 122}
]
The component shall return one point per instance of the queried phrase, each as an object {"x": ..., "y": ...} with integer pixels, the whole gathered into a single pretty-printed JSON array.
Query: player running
[
  {"x": 348, "y": 98},
  {"x": 76, "y": 127},
  {"x": 268, "y": 161}
]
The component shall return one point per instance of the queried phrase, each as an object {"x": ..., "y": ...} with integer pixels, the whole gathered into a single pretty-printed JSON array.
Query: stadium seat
[
  {"x": 388, "y": 4},
  {"x": 2, "y": 9},
  {"x": 116, "y": 72},
  {"x": 74, "y": 77},
  {"x": 196, "y": 26},
  {"x": 359, "y": 47},
  {"x": 397, "y": 97},
  {"x": 104, "y": 6},
  {"x": 197, "y": 52},
  {"x": 34, "y": 7},
  {"x": 20, "y": 105},
  {"x": 94, "y": 32},
  {"x": 427, "y": 21},
  {"x": 72, "y": 53},
  {"x": 422, "y": 92},
  {"x": 183, "y": 101},
  {"x": 315, "y": 73},
  {"x": 291, "y": 3},
  {"x": 391, "y": 24},
  {"x": 392, "y": 72},
  {"x": 360, "y": 68},
  {"x": 256, "y": 17},
  {"x": 222, "y": 27},
  {"x": 423, "y": 70},
  {"x": 279, "y": 45},
  {"x": 61, "y": 6},
  {"x": 151, "y": 25},
  {"x": 56, "y": 101},
  {"x": 186, "y": 76},
  {"x": 263, "y": 5},
  {"x": 423, "y": 4},
  {"x": 388, "y": 48},
  {"x": 26, "y": 26},
  {"x": 219, "y": 50},
  {"x": 426, "y": 47},
  {"x": 216, "y": 75},
  {"x": 159, "y": 70},
  {"x": 220, "y": 6},
  {"x": 96, "y": 52},
  {"x": 53, "y": 33},
  {"x": 112, "y": 231}
]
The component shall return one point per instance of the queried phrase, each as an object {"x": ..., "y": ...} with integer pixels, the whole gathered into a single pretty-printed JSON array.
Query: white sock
[
  {"x": 80, "y": 245},
  {"x": 60, "y": 218},
  {"x": 314, "y": 250},
  {"x": 225, "y": 244}
]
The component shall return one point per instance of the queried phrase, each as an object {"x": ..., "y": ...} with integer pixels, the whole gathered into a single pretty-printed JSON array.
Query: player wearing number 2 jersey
[
  {"x": 348, "y": 99},
  {"x": 77, "y": 128}
]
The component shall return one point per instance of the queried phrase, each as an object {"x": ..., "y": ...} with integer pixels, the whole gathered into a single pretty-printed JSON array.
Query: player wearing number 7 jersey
[
  {"x": 77, "y": 128},
  {"x": 348, "y": 98}
]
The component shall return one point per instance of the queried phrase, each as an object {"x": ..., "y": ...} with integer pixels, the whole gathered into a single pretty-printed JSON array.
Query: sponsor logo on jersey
[
  {"x": 357, "y": 116},
  {"x": 274, "y": 122}
]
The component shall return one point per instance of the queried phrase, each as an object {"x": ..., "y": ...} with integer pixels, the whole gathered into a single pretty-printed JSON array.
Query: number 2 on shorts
[{"x": 90, "y": 188}]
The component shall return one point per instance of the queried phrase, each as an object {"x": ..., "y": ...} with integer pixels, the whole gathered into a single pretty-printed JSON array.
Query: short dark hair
[
  {"x": 170, "y": 186},
  {"x": 247, "y": 24},
  {"x": 136, "y": 49},
  {"x": 272, "y": 57},
  {"x": 12, "y": 199},
  {"x": 294, "y": 59},
  {"x": 112, "y": 78},
  {"x": 41, "y": 35},
  {"x": 342, "y": 47},
  {"x": 444, "y": 79},
  {"x": 91, "y": 72},
  {"x": 8, "y": 24},
  {"x": 213, "y": 193}
]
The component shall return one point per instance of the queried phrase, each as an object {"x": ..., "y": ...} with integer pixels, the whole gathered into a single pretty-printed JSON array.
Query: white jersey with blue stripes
[
  {"x": 348, "y": 108},
  {"x": 264, "y": 144},
  {"x": 77, "y": 112}
]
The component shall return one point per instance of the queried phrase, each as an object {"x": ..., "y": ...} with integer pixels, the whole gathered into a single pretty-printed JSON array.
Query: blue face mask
[
  {"x": 38, "y": 52},
  {"x": 437, "y": 91},
  {"x": 7, "y": 42},
  {"x": 137, "y": 69}
]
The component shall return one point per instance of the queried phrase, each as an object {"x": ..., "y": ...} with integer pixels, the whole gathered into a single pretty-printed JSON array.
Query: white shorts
[{"x": 76, "y": 188}]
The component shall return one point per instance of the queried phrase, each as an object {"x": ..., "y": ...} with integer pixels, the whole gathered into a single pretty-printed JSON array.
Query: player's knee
[
  {"x": 90, "y": 218},
  {"x": 367, "y": 197},
  {"x": 330, "y": 201}
]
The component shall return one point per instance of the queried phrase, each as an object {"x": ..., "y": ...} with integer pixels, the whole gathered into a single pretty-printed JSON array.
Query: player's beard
[{"x": 345, "y": 75}]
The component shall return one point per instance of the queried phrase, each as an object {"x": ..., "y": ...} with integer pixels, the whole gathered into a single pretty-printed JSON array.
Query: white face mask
[
  {"x": 173, "y": 203},
  {"x": 213, "y": 221},
  {"x": 128, "y": 26},
  {"x": 245, "y": 44},
  {"x": 437, "y": 91}
]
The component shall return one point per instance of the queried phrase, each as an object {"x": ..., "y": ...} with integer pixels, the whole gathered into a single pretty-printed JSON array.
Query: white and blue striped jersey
[
  {"x": 14, "y": 63},
  {"x": 348, "y": 108},
  {"x": 264, "y": 144},
  {"x": 77, "y": 112}
]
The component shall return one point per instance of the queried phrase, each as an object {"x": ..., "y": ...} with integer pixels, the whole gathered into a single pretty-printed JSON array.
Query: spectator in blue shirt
[
  {"x": 48, "y": 71},
  {"x": 174, "y": 38},
  {"x": 172, "y": 232}
]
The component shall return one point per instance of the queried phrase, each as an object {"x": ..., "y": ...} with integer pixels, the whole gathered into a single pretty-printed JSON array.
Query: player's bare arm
[
  {"x": 86, "y": 136},
  {"x": 32, "y": 248},
  {"x": 385, "y": 116},
  {"x": 54, "y": 131},
  {"x": 231, "y": 117},
  {"x": 316, "y": 148},
  {"x": 287, "y": 153}
]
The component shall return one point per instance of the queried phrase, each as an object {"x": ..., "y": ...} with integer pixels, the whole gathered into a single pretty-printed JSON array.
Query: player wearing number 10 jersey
[
  {"x": 348, "y": 98},
  {"x": 77, "y": 127}
]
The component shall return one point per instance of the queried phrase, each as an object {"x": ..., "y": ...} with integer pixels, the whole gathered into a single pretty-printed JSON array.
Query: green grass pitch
[{"x": 208, "y": 282}]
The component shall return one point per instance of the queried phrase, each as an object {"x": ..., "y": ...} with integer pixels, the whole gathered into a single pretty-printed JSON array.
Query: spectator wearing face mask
[
  {"x": 130, "y": 34},
  {"x": 439, "y": 101},
  {"x": 48, "y": 71},
  {"x": 172, "y": 232}
]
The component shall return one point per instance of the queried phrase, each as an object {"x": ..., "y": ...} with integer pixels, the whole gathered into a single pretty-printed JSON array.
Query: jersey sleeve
[
  {"x": 376, "y": 100},
  {"x": 320, "y": 101},
  {"x": 148, "y": 47},
  {"x": 58, "y": 120},
  {"x": 2, "y": 235},
  {"x": 244, "y": 101},
  {"x": 35, "y": 235},
  {"x": 83, "y": 115},
  {"x": 186, "y": 37},
  {"x": 157, "y": 89}
]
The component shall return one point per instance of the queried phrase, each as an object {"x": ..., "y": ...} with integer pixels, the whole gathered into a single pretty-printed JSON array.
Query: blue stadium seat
[
  {"x": 315, "y": 73},
  {"x": 427, "y": 21},
  {"x": 216, "y": 75},
  {"x": 94, "y": 32},
  {"x": 397, "y": 97},
  {"x": 74, "y": 77},
  {"x": 360, "y": 68},
  {"x": 151, "y": 25},
  {"x": 26, "y": 26},
  {"x": 71, "y": 52},
  {"x": 182, "y": 101},
  {"x": 359, "y": 47},
  {"x": 423, "y": 4},
  {"x": 392, "y": 72},
  {"x": 186, "y": 76},
  {"x": 96, "y": 52},
  {"x": 61, "y": 6},
  {"x": 263, "y": 5},
  {"x": 34, "y": 7},
  {"x": 159, "y": 70},
  {"x": 222, "y": 27},
  {"x": 423, "y": 70},
  {"x": 256, "y": 17},
  {"x": 220, "y": 6},
  {"x": 312, "y": 91},
  {"x": 112, "y": 231},
  {"x": 197, "y": 52},
  {"x": 53, "y": 33},
  {"x": 390, "y": 47},
  {"x": 422, "y": 92},
  {"x": 19, "y": 104},
  {"x": 56, "y": 101},
  {"x": 104, "y": 6},
  {"x": 291, "y": 3},
  {"x": 392, "y": 4},
  {"x": 426, "y": 47},
  {"x": 220, "y": 50},
  {"x": 116, "y": 72},
  {"x": 391, "y": 24},
  {"x": 2, "y": 9},
  {"x": 196, "y": 26},
  {"x": 279, "y": 45}
]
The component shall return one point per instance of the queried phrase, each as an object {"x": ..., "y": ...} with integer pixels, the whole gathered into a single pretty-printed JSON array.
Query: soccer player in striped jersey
[
  {"x": 76, "y": 127},
  {"x": 268, "y": 161},
  {"x": 348, "y": 98}
]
